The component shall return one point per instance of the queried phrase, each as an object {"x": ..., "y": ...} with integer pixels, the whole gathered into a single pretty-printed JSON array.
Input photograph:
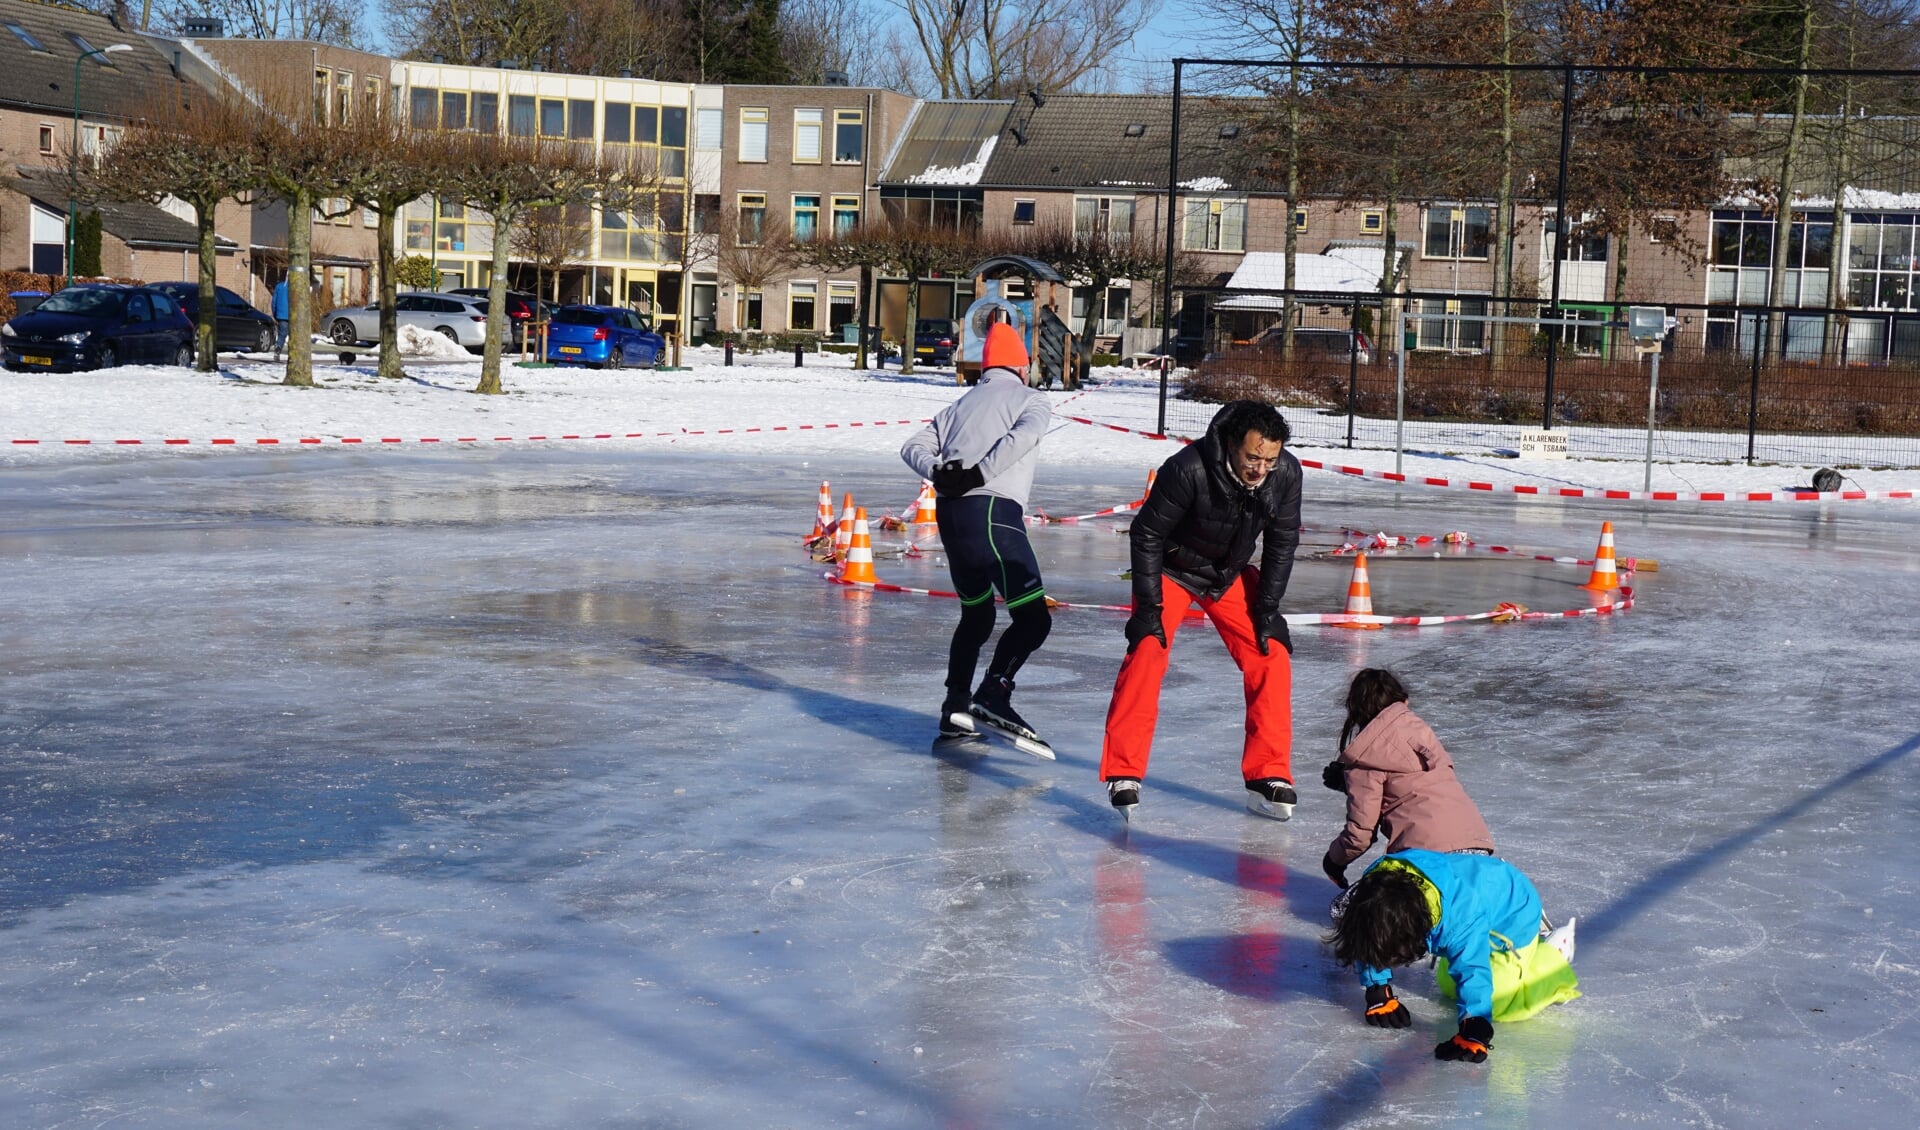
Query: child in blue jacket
[{"x": 1480, "y": 916}]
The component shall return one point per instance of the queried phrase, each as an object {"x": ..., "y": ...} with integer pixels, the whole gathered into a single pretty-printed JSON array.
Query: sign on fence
[{"x": 1543, "y": 445}]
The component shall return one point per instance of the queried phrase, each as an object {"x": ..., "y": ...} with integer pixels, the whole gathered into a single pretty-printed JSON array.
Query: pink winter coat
[{"x": 1400, "y": 785}]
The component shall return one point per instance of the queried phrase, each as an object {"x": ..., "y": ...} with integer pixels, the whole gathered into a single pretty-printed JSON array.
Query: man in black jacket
[{"x": 1194, "y": 540}]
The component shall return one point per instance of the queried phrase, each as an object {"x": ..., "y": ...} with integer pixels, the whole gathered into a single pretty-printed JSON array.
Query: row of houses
[{"x": 817, "y": 161}]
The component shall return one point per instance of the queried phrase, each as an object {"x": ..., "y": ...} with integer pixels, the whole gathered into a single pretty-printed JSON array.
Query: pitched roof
[
  {"x": 1120, "y": 141},
  {"x": 946, "y": 143},
  {"x": 135, "y": 224},
  {"x": 124, "y": 84}
]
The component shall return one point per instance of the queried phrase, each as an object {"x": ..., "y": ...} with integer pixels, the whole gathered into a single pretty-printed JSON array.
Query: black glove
[
  {"x": 1143, "y": 623},
  {"x": 1384, "y": 1010},
  {"x": 952, "y": 480},
  {"x": 1334, "y": 776},
  {"x": 1471, "y": 1043},
  {"x": 1334, "y": 871},
  {"x": 1271, "y": 624}
]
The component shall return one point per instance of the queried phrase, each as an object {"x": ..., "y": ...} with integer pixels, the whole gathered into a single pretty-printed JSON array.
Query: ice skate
[
  {"x": 958, "y": 733},
  {"x": 1123, "y": 793},
  {"x": 992, "y": 710},
  {"x": 1561, "y": 938},
  {"x": 1272, "y": 797}
]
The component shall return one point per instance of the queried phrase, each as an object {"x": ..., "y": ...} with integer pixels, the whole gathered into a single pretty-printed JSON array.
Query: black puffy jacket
[{"x": 1199, "y": 525}]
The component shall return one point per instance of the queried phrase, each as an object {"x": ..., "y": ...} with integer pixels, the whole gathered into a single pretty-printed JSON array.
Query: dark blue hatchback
[
  {"x": 98, "y": 326},
  {"x": 610, "y": 336}
]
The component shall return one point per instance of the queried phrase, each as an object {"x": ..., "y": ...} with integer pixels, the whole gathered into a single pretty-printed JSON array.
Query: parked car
[
  {"x": 609, "y": 336},
  {"x": 98, "y": 326},
  {"x": 935, "y": 339},
  {"x": 1318, "y": 344},
  {"x": 523, "y": 308},
  {"x": 458, "y": 316},
  {"x": 238, "y": 326}
]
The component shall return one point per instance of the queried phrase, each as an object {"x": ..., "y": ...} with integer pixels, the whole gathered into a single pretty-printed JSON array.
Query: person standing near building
[
  {"x": 280, "y": 315},
  {"x": 1193, "y": 541},
  {"x": 979, "y": 453}
]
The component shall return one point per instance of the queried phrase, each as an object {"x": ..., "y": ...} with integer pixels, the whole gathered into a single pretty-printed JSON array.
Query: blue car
[
  {"x": 612, "y": 337},
  {"x": 98, "y": 326}
]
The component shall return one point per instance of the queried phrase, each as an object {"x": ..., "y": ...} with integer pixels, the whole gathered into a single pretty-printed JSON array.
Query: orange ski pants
[{"x": 1267, "y": 680}]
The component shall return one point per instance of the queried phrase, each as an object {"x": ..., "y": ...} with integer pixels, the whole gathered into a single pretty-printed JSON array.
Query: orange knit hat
[{"x": 1004, "y": 349}]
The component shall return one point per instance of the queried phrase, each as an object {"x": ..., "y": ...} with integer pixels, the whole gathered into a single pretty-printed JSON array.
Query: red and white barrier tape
[
  {"x": 1388, "y": 546},
  {"x": 1501, "y": 614},
  {"x": 1042, "y": 518},
  {"x": 1537, "y": 490},
  {"x": 310, "y": 441}
]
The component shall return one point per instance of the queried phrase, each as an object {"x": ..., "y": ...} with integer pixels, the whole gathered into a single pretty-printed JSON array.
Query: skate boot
[
  {"x": 992, "y": 709},
  {"x": 1123, "y": 793},
  {"x": 1272, "y": 797},
  {"x": 957, "y": 730},
  {"x": 1562, "y": 939}
]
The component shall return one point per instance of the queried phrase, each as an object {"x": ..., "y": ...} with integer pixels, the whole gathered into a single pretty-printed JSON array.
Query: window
[
  {"x": 1663, "y": 229},
  {"x": 372, "y": 94},
  {"x": 802, "y": 297},
  {"x": 707, "y": 124},
  {"x": 1023, "y": 211},
  {"x": 849, "y": 136},
  {"x": 1740, "y": 258},
  {"x": 322, "y": 90},
  {"x": 100, "y": 58},
  {"x": 746, "y": 311},
  {"x": 843, "y": 305},
  {"x": 807, "y": 128},
  {"x": 753, "y": 134},
  {"x": 646, "y": 125},
  {"x": 369, "y": 218},
  {"x": 1373, "y": 223},
  {"x": 46, "y": 139},
  {"x": 1458, "y": 232},
  {"x": 553, "y": 117},
  {"x": 753, "y": 219},
  {"x": 616, "y": 123},
  {"x": 1103, "y": 217},
  {"x": 673, "y": 141},
  {"x": 453, "y": 109},
  {"x": 806, "y": 217},
  {"x": 1299, "y": 219},
  {"x": 520, "y": 115},
  {"x": 1466, "y": 330},
  {"x": 485, "y": 115},
  {"x": 580, "y": 119},
  {"x": 1587, "y": 246},
  {"x": 342, "y": 97},
  {"x": 450, "y": 233},
  {"x": 1213, "y": 224},
  {"x": 27, "y": 38},
  {"x": 846, "y": 215},
  {"x": 423, "y": 107},
  {"x": 706, "y": 213}
]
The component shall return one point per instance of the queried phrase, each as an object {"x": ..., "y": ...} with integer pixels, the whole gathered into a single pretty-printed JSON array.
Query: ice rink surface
[{"x": 545, "y": 788}]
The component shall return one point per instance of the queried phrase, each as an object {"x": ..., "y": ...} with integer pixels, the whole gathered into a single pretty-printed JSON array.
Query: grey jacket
[{"x": 997, "y": 426}]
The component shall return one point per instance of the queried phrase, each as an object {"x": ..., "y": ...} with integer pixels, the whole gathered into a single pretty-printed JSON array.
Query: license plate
[
  {"x": 569, "y": 349},
  {"x": 30, "y": 359}
]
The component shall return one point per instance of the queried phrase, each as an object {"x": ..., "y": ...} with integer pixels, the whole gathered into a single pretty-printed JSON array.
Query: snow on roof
[
  {"x": 1205, "y": 184},
  {"x": 1346, "y": 270},
  {"x": 968, "y": 173}
]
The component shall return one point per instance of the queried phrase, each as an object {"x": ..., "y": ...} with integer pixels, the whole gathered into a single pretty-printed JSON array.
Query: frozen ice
[{"x": 554, "y": 787}]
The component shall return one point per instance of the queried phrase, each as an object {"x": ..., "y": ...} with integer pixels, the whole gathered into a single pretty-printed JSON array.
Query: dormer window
[
  {"x": 1136, "y": 129},
  {"x": 28, "y": 38}
]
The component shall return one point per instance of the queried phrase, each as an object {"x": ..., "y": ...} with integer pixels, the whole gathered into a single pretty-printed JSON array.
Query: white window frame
[
  {"x": 753, "y": 135},
  {"x": 1218, "y": 215}
]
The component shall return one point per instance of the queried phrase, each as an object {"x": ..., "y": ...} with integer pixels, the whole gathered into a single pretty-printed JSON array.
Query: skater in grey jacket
[{"x": 980, "y": 454}]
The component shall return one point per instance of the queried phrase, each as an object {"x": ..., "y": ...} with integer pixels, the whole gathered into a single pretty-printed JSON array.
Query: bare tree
[
  {"x": 301, "y": 162},
  {"x": 325, "y": 21},
  {"x": 754, "y": 251},
  {"x": 383, "y": 169},
  {"x": 998, "y": 48},
  {"x": 554, "y": 238},
  {"x": 818, "y": 36},
  {"x": 201, "y": 155}
]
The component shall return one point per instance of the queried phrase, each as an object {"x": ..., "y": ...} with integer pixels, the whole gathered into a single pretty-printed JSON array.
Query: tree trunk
[
  {"x": 1503, "y": 217},
  {"x": 300, "y": 288},
  {"x": 864, "y": 315},
  {"x": 389, "y": 293},
  {"x": 913, "y": 319},
  {"x": 496, "y": 298},
  {"x": 205, "y": 343}
]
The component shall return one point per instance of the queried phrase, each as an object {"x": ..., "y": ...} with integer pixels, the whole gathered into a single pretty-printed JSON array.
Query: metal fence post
[
  {"x": 1760, "y": 331},
  {"x": 1353, "y": 362},
  {"x": 1653, "y": 402},
  {"x": 1400, "y": 392}
]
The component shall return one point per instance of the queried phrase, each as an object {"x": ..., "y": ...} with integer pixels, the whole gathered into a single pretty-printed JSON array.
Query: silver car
[{"x": 458, "y": 316}]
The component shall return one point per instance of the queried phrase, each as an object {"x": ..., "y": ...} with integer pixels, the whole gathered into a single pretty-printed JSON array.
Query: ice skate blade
[
  {"x": 961, "y": 720},
  {"x": 1034, "y": 747},
  {"x": 1562, "y": 940},
  {"x": 1126, "y": 812},
  {"x": 1260, "y": 806},
  {"x": 982, "y": 714},
  {"x": 960, "y": 743}
]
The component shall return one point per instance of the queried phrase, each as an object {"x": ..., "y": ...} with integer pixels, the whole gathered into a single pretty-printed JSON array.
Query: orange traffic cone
[
  {"x": 925, "y": 523},
  {"x": 1359, "y": 595},
  {"x": 859, "y": 563},
  {"x": 843, "y": 534},
  {"x": 1604, "y": 578},
  {"x": 823, "y": 522}
]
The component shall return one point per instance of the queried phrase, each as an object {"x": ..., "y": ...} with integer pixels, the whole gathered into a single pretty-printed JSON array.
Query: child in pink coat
[{"x": 1398, "y": 779}]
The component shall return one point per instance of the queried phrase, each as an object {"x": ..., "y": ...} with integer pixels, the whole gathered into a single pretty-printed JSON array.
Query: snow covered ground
[
  {"x": 546, "y": 784},
  {"x": 245, "y": 402}
]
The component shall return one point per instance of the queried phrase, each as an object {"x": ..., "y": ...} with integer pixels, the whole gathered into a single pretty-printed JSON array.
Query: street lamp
[{"x": 73, "y": 175}]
